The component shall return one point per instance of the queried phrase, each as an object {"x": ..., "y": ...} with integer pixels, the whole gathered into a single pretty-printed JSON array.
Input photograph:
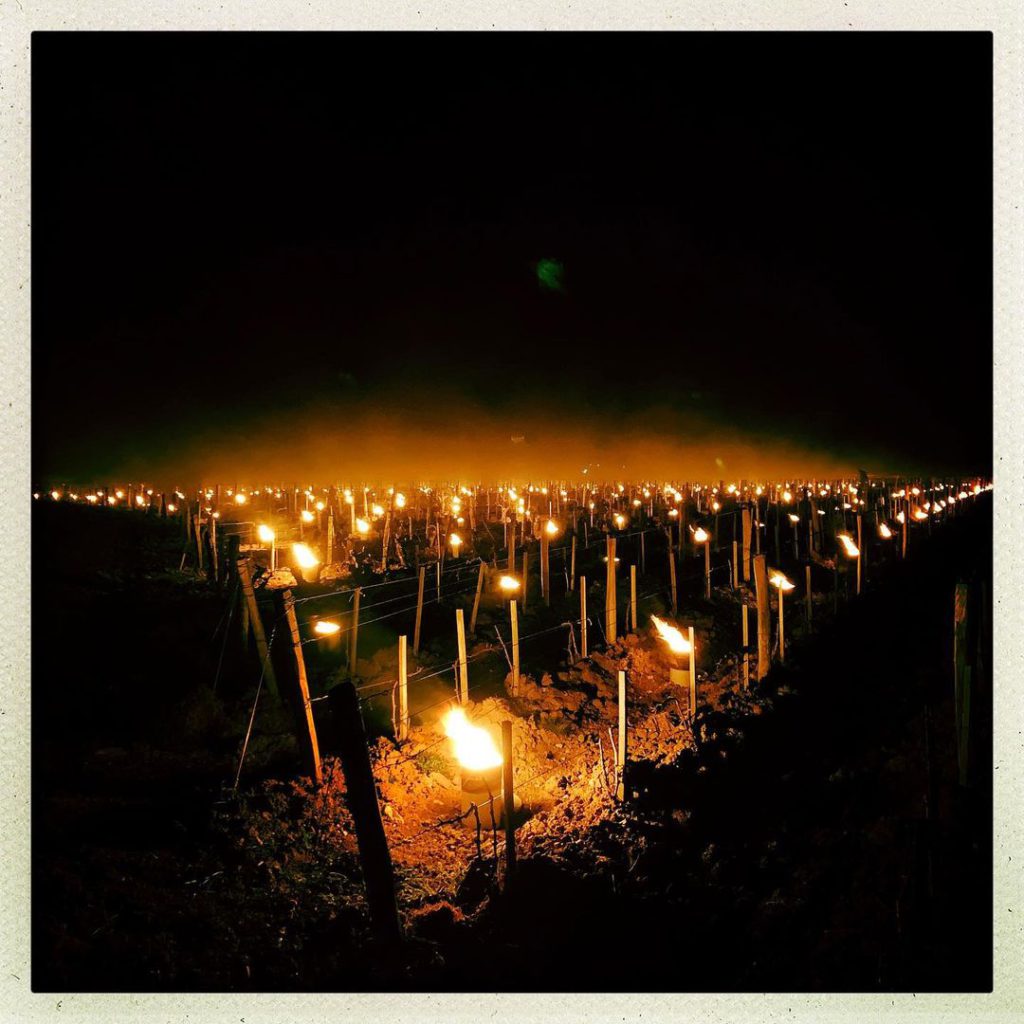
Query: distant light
[{"x": 324, "y": 628}]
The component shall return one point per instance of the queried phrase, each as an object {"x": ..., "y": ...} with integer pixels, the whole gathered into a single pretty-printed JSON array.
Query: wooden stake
[
  {"x": 508, "y": 800},
  {"x": 746, "y": 648},
  {"x": 632, "y": 594},
  {"x": 515, "y": 647},
  {"x": 611, "y": 610},
  {"x": 284, "y": 605},
  {"x": 735, "y": 566},
  {"x": 353, "y": 636},
  {"x": 256, "y": 623},
  {"x": 460, "y": 628},
  {"x": 746, "y": 545},
  {"x": 860, "y": 556},
  {"x": 402, "y": 729},
  {"x": 583, "y": 616},
  {"x": 782, "y": 628},
  {"x": 572, "y": 564},
  {"x": 707, "y": 569},
  {"x": 764, "y": 623},
  {"x": 693, "y": 672},
  {"x": 476, "y": 600},
  {"x": 672, "y": 578},
  {"x": 808, "y": 595},
  {"x": 643, "y": 555},
  {"x": 419, "y": 611},
  {"x": 545, "y": 582},
  {"x": 620, "y": 792},
  {"x": 361, "y": 796}
]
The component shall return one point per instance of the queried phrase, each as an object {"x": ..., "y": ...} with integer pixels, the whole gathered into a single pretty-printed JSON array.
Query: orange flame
[
  {"x": 677, "y": 643},
  {"x": 475, "y": 748}
]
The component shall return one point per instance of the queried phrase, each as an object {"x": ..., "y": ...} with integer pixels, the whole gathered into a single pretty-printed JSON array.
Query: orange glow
[
  {"x": 700, "y": 535},
  {"x": 777, "y": 579},
  {"x": 326, "y": 628},
  {"x": 306, "y": 516},
  {"x": 884, "y": 531},
  {"x": 551, "y": 528},
  {"x": 677, "y": 643},
  {"x": 240, "y": 499},
  {"x": 508, "y": 584},
  {"x": 849, "y": 548},
  {"x": 475, "y": 749},
  {"x": 265, "y": 533},
  {"x": 303, "y": 554},
  {"x": 362, "y": 526}
]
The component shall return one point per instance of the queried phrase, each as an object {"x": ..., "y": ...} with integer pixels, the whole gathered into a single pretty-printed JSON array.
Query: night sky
[{"x": 440, "y": 240}]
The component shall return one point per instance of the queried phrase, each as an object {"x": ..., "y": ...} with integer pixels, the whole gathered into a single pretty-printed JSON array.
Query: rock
[
  {"x": 281, "y": 579},
  {"x": 546, "y": 680},
  {"x": 333, "y": 572}
]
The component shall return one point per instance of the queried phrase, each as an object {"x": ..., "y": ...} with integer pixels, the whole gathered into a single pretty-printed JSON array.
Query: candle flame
[
  {"x": 677, "y": 643},
  {"x": 884, "y": 531},
  {"x": 265, "y": 533},
  {"x": 324, "y": 628},
  {"x": 240, "y": 499},
  {"x": 508, "y": 583},
  {"x": 362, "y": 526},
  {"x": 620, "y": 520},
  {"x": 307, "y": 516},
  {"x": 777, "y": 579},
  {"x": 850, "y": 549},
  {"x": 475, "y": 749},
  {"x": 303, "y": 554},
  {"x": 455, "y": 540},
  {"x": 551, "y": 528},
  {"x": 700, "y": 535},
  {"x": 794, "y": 518},
  {"x": 399, "y": 500}
]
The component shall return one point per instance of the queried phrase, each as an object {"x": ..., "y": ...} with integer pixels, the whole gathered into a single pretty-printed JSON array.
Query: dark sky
[{"x": 787, "y": 236}]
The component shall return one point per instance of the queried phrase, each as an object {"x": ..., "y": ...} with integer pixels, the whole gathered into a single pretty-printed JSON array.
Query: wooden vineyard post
[
  {"x": 256, "y": 623},
  {"x": 672, "y": 578},
  {"x": 545, "y": 578},
  {"x": 212, "y": 534},
  {"x": 707, "y": 569},
  {"x": 583, "y": 617},
  {"x": 330, "y": 535},
  {"x": 735, "y": 566},
  {"x": 476, "y": 600},
  {"x": 419, "y": 611},
  {"x": 526, "y": 576},
  {"x": 353, "y": 635},
  {"x": 508, "y": 800},
  {"x": 746, "y": 647},
  {"x": 611, "y": 611},
  {"x": 746, "y": 545},
  {"x": 808, "y": 595},
  {"x": 402, "y": 730},
  {"x": 514, "y": 611},
  {"x": 284, "y": 606},
  {"x": 782, "y": 627},
  {"x": 764, "y": 623},
  {"x": 361, "y": 796},
  {"x": 643, "y": 555},
  {"x": 632, "y": 595},
  {"x": 693, "y": 673},
  {"x": 572, "y": 564},
  {"x": 460, "y": 628},
  {"x": 620, "y": 792},
  {"x": 906, "y": 516},
  {"x": 961, "y": 679},
  {"x": 860, "y": 556},
  {"x": 199, "y": 542}
]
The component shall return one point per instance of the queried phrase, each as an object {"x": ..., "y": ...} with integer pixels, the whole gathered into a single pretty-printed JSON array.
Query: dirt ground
[{"x": 807, "y": 833}]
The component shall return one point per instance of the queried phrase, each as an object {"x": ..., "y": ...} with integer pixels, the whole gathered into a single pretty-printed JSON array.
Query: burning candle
[{"x": 783, "y": 585}]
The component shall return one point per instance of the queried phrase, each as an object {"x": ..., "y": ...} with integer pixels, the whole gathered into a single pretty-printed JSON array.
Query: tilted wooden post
[
  {"x": 545, "y": 579},
  {"x": 746, "y": 645},
  {"x": 419, "y": 611},
  {"x": 693, "y": 672},
  {"x": 476, "y": 600},
  {"x": 620, "y": 792},
  {"x": 583, "y": 616},
  {"x": 284, "y": 606},
  {"x": 402, "y": 731},
  {"x": 361, "y": 796},
  {"x": 746, "y": 545},
  {"x": 508, "y": 800},
  {"x": 460, "y": 627},
  {"x": 256, "y": 624},
  {"x": 572, "y": 564},
  {"x": 353, "y": 633},
  {"x": 735, "y": 567},
  {"x": 526, "y": 576},
  {"x": 764, "y": 622},
  {"x": 611, "y": 596},
  {"x": 514, "y": 611},
  {"x": 672, "y": 578}
]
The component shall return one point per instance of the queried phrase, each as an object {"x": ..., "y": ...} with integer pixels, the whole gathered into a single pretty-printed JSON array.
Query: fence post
[
  {"x": 402, "y": 731},
  {"x": 476, "y": 600},
  {"x": 353, "y": 634},
  {"x": 284, "y": 605},
  {"x": 583, "y": 616},
  {"x": 460, "y": 627},
  {"x": 419, "y": 611},
  {"x": 515, "y": 647},
  {"x": 361, "y": 796},
  {"x": 611, "y": 611},
  {"x": 764, "y": 624},
  {"x": 620, "y": 792},
  {"x": 256, "y": 623},
  {"x": 508, "y": 800},
  {"x": 632, "y": 594}
]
